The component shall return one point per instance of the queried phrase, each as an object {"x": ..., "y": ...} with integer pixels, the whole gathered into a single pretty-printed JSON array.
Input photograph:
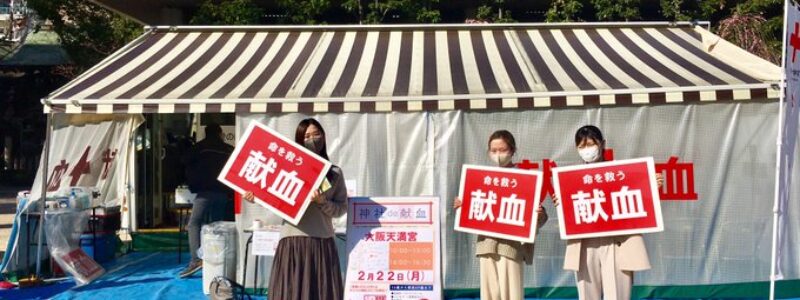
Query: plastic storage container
[
  {"x": 80, "y": 198},
  {"x": 218, "y": 242},
  {"x": 103, "y": 248}
]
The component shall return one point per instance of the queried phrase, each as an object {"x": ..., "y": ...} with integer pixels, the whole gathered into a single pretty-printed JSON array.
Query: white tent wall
[
  {"x": 75, "y": 138},
  {"x": 73, "y": 134},
  {"x": 723, "y": 237}
]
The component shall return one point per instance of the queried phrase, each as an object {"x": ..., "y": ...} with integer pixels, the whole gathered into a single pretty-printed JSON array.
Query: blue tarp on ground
[
  {"x": 134, "y": 276},
  {"x": 139, "y": 275}
]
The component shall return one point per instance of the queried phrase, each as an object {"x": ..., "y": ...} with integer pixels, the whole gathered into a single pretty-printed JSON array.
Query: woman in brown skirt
[{"x": 306, "y": 264}]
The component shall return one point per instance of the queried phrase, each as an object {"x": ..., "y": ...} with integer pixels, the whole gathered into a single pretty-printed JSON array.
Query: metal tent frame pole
[
  {"x": 42, "y": 200},
  {"x": 777, "y": 208}
]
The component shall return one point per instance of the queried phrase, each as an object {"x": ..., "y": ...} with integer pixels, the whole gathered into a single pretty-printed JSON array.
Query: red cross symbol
[
  {"x": 82, "y": 167},
  {"x": 794, "y": 40}
]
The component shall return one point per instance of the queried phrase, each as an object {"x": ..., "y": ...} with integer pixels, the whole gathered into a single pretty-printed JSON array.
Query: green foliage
[
  {"x": 771, "y": 10},
  {"x": 407, "y": 11},
  {"x": 484, "y": 13},
  {"x": 428, "y": 15},
  {"x": 305, "y": 11},
  {"x": 617, "y": 10},
  {"x": 747, "y": 31},
  {"x": 756, "y": 26},
  {"x": 710, "y": 9},
  {"x": 758, "y": 6},
  {"x": 564, "y": 11},
  {"x": 377, "y": 11},
  {"x": 671, "y": 9},
  {"x": 87, "y": 31},
  {"x": 227, "y": 12},
  {"x": 688, "y": 10},
  {"x": 493, "y": 11}
]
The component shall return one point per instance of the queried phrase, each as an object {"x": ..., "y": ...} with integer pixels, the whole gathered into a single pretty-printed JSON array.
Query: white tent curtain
[
  {"x": 100, "y": 141},
  {"x": 723, "y": 237}
]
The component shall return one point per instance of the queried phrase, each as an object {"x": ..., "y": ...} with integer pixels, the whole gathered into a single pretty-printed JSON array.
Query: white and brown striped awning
[{"x": 416, "y": 68}]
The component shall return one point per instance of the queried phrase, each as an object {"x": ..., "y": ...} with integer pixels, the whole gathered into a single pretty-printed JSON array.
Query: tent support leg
[{"x": 43, "y": 199}]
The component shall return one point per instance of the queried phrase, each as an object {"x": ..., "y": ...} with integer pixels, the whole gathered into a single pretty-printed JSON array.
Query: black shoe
[{"x": 192, "y": 268}]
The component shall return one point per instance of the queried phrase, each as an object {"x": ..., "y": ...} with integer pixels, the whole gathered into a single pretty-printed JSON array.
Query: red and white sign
[
  {"x": 80, "y": 265},
  {"x": 499, "y": 202},
  {"x": 280, "y": 173},
  {"x": 608, "y": 199}
]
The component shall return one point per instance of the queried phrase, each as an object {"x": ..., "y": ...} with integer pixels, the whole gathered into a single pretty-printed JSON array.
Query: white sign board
[
  {"x": 394, "y": 249},
  {"x": 265, "y": 243}
]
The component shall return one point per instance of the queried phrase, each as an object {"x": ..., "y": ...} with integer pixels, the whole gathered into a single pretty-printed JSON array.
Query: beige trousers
[
  {"x": 501, "y": 278},
  {"x": 598, "y": 276}
]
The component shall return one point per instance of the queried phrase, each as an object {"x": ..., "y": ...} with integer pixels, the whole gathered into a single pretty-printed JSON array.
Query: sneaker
[{"x": 192, "y": 268}]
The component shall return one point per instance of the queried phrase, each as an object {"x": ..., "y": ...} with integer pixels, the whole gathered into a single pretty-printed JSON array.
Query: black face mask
[{"x": 313, "y": 144}]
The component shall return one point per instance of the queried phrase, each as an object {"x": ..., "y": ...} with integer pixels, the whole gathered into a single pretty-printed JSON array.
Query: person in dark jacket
[{"x": 214, "y": 202}]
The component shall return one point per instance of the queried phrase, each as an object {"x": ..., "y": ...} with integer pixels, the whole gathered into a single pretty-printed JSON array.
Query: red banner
[
  {"x": 499, "y": 202},
  {"x": 608, "y": 199},
  {"x": 280, "y": 173}
]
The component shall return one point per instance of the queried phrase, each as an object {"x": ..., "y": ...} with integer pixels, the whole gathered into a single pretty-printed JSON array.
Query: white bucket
[{"x": 219, "y": 254}]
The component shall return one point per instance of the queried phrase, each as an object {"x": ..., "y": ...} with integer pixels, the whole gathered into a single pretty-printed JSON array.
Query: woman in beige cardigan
[
  {"x": 501, "y": 259},
  {"x": 306, "y": 262},
  {"x": 603, "y": 266}
]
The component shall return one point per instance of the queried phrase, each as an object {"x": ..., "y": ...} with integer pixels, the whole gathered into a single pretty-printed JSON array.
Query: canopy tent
[
  {"x": 416, "y": 68},
  {"x": 422, "y": 98}
]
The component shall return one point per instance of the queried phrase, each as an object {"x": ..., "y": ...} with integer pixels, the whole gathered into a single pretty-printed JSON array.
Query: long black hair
[{"x": 300, "y": 135}]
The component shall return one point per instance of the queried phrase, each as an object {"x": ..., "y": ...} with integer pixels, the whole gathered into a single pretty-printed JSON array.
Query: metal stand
[
  {"x": 43, "y": 198},
  {"x": 255, "y": 268},
  {"x": 181, "y": 217}
]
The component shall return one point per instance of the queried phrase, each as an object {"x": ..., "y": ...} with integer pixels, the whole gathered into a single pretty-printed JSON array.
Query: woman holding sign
[
  {"x": 603, "y": 266},
  {"x": 501, "y": 259},
  {"x": 306, "y": 264}
]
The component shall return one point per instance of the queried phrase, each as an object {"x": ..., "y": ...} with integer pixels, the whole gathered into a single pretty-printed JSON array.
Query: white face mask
[
  {"x": 590, "y": 154},
  {"x": 501, "y": 159}
]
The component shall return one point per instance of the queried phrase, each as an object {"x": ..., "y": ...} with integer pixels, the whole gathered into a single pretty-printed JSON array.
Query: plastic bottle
[{"x": 73, "y": 199}]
